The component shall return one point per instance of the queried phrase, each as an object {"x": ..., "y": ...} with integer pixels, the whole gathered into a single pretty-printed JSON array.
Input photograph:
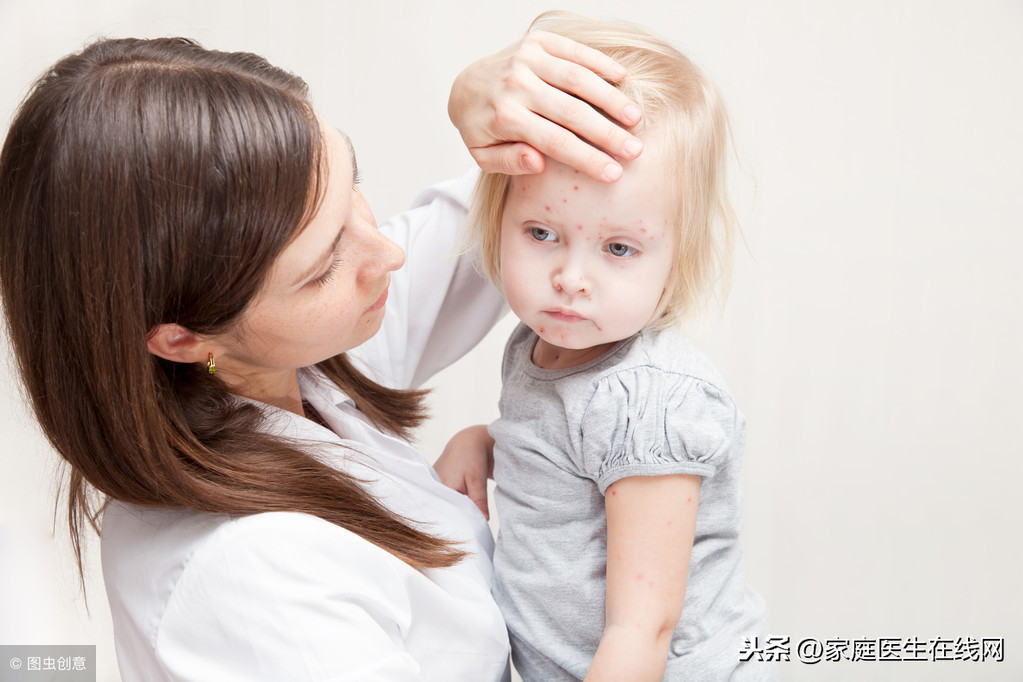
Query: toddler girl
[{"x": 618, "y": 448}]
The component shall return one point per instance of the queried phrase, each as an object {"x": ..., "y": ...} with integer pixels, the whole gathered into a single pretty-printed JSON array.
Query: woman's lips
[{"x": 379, "y": 302}]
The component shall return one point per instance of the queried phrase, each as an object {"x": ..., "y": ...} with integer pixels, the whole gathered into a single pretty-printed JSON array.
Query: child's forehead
[
  {"x": 555, "y": 175},
  {"x": 644, "y": 177},
  {"x": 561, "y": 196}
]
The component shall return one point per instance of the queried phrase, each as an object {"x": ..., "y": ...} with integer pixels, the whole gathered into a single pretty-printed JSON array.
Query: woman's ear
[{"x": 177, "y": 344}]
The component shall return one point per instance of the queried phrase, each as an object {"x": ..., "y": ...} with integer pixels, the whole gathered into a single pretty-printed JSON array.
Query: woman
[{"x": 187, "y": 264}]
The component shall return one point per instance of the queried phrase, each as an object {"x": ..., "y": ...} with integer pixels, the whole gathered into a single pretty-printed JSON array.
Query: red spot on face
[
  {"x": 579, "y": 227},
  {"x": 548, "y": 208},
  {"x": 614, "y": 492},
  {"x": 564, "y": 201},
  {"x": 689, "y": 499},
  {"x": 642, "y": 229},
  {"x": 576, "y": 188},
  {"x": 542, "y": 330}
]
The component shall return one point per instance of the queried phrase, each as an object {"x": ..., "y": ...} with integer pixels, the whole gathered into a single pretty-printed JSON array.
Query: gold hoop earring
[{"x": 211, "y": 365}]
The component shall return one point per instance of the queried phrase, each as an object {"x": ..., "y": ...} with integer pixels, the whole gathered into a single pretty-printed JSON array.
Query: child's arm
[
  {"x": 651, "y": 523},
  {"x": 466, "y": 464}
]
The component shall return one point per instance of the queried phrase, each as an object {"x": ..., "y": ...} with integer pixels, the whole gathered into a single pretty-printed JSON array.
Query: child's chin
[{"x": 565, "y": 340}]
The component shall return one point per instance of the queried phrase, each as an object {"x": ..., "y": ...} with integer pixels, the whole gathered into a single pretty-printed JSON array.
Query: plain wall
[{"x": 874, "y": 331}]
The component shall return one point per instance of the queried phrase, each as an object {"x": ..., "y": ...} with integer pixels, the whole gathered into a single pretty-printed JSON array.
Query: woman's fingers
[
  {"x": 548, "y": 140},
  {"x": 585, "y": 73},
  {"x": 544, "y": 96},
  {"x": 509, "y": 158},
  {"x": 564, "y": 85}
]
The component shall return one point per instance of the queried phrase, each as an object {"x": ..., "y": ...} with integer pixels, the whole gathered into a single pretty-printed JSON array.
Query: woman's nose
[
  {"x": 383, "y": 256},
  {"x": 393, "y": 255},
  {"x": 380, "y": 254}
]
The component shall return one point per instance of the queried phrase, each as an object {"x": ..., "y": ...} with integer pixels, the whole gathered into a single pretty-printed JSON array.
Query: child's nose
[{"x": 571, "y": 278}]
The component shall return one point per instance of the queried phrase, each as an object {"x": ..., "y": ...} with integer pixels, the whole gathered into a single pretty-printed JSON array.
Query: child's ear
[{"x": 177, "y": 344}]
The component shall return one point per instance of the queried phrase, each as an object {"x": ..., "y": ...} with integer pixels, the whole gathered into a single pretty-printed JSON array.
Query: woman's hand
[
  {"x": 530, "y": 100},
  {"x": 466, "y": 464}
]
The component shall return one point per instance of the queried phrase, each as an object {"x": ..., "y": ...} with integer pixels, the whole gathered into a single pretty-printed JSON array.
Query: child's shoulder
[{"x": 670, "y": 352}]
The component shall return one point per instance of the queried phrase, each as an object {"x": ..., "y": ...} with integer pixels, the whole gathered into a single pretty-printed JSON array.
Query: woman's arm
[
  {"x": 651, "y": 523},
  {"x": 530, "y": 99},
  {"x": 286, "y": 596}
]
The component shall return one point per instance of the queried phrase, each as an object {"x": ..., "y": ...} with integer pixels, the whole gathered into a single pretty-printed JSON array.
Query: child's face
[{"x": 583, "y": 263}]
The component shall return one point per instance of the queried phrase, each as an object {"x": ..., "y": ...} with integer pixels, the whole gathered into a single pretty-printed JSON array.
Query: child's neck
[{"x": 548, "y": 356}]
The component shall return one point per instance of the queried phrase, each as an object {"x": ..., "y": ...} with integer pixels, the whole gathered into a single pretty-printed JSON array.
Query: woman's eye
[
  {"x": 542, "y": 235},
  {"x": 621, "y": 250},
  {"x": 328, "y": 276}
]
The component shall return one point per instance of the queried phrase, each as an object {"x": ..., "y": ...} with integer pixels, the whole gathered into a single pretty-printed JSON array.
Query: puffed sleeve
[
  {"x": 649, "y": 422},
  {"x": 438, "y": 306},
  {"x": 271, "y": 598}
]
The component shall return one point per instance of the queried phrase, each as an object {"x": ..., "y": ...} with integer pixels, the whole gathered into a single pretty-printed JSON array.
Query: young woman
[{"x": 187, "y": 261}]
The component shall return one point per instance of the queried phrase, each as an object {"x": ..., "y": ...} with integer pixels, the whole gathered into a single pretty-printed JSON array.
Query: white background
[{"x": 874, "y": 329}]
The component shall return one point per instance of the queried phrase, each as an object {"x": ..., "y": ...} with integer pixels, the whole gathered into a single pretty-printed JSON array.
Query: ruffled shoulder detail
[{"x": 647, "y": 421}]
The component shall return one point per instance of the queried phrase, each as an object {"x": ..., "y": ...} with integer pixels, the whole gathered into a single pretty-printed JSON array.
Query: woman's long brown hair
[{"x": 153, "y": 181}]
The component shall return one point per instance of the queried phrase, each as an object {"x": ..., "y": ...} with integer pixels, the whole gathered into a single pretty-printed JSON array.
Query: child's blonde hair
[{"x": 682, "y": 110}]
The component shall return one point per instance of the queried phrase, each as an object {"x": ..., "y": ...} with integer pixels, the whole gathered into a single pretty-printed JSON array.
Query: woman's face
[{"x": 327, "y": 290}]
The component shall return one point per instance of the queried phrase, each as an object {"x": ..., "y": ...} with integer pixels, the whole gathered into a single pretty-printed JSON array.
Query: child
[{"x": 618, "y": 449}]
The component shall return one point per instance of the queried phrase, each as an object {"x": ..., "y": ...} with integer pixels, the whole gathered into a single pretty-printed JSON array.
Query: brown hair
[
  {"x": 683, "y": 111},
  {"x": 138, "y": 177}
]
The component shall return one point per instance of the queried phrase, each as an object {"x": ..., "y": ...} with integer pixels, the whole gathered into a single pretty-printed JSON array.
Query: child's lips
[{"x": 565, "y": 315}]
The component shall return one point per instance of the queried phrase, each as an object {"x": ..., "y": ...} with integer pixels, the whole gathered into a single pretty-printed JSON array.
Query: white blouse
[{"x": 287, "y": 596}]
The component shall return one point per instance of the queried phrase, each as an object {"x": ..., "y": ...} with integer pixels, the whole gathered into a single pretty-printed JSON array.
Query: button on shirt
[{"x": 287, "y": 596}]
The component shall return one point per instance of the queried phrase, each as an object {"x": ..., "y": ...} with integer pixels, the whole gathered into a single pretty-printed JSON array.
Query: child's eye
[
  {"x": 542, "y": 235},
  {"x": 621, "y": 250}
]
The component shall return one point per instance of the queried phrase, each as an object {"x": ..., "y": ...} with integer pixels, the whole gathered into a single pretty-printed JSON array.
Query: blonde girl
[{"x": 618, "y": 449}]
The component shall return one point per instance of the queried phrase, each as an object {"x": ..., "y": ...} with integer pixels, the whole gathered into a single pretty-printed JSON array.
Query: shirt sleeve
[
  {"x": 650, "y": 422},
  {"x": 332, "y": 607},
  {"x": 438, "y": 306}
]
